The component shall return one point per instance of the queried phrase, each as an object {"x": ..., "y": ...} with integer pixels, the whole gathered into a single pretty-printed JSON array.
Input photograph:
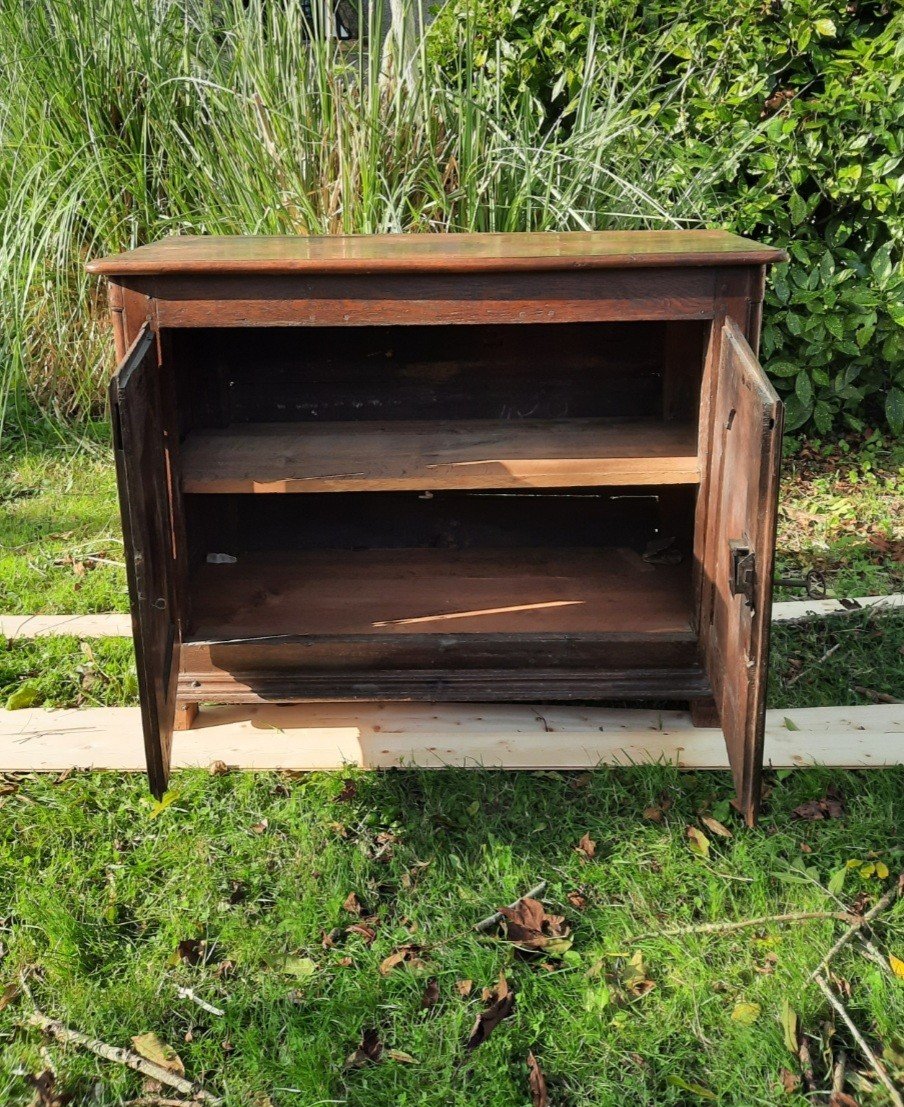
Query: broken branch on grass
[
  {"x": 876, "y": 1065},
  {"x": 491, "y": 920},
  {"x": 126, "y": 1057},
  {"x": 187, "y": 993},
  {"x": 807, "y": 668},
  {"x": 863, "y": 920},
  {"x": 743, "y": 924}
]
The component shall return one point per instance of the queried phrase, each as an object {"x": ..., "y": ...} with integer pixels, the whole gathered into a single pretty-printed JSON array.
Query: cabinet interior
[{"x": 439, "y": 497}]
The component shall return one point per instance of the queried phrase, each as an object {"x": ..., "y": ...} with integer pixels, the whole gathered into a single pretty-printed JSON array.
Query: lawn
[
  {"x": 241, "y": 889},
  {"x": 279, "y": 898}
]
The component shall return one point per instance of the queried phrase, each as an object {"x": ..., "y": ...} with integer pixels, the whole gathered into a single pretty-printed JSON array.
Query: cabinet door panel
[
  {"x": 740, "y": 556},
  {"x": 144, "y": 475}
]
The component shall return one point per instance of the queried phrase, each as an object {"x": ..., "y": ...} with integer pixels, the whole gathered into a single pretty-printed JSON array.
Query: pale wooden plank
[
  {"x": 414, "y": 456},
  {"x": 82, "y": 626},
  {"x": 792, "y": 610},
  {"x": 331, "y": 736}
]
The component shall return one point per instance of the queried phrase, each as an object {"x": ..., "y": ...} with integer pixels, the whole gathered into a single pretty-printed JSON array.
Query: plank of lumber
[
  {"x": 791, "y": 610},
  {"x": 400, "y": 456},
  {"x": 510, "y": 736},
  {"x": 82, "y": 626}
]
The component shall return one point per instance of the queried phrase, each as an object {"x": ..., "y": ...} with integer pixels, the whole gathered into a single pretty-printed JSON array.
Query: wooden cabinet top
[{"x": 451, "y": 253}]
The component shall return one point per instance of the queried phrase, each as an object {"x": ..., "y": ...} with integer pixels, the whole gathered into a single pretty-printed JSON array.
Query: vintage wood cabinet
[{"x": 448, "y": 467}]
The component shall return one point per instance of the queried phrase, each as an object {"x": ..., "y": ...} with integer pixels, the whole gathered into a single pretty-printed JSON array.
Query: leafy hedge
[{"x": 806, "y": 100}]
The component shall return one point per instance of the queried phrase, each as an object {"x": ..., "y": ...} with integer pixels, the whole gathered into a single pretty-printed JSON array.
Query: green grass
[{"x": 98, "y": 893}]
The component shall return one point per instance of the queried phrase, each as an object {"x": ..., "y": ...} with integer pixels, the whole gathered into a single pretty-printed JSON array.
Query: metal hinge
[{"x": 743, "y": 570}]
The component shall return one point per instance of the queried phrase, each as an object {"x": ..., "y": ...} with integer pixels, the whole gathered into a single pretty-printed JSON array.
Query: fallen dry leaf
[
  {"x": 831, "y": 806},
  {"x": 578, "y": 900},
  {"x": 401, "y": 1055},
  {"x": 536, "y": 1081},
  {"x": 698, "y": 841},
  {"x": 896, "y": 964},
  {"x": 790, "y": 1081},
  {"x": 9, "y": 993},
  {"x": 368, "y": 1052},
  {"x": 586, "y": 847},
  {"x": 259, "y": 828},
  {"x": 218, "y": 768},
  {"x": 191, "y": 950},
  {"x": 349, "y": 791},
  {"x": 653, "y": 814},
  {"x": 431, "y": 993},
  {"x": 352, "y": 904},
  {"x": 151, "y": 1048},
  {"x": 404, "y": 954},
  {"x": 634, "y": 976},
  {"x": 715, "y": 826},
  {"x": 842, "y": 1099},
  {"x": 366, "y": 932},
  {"x": 464, "y": 987},
  {"x": 500, "y": 1003},
  {"x": 528, "y": 926},
  {"x": 46, "y": 1095}
]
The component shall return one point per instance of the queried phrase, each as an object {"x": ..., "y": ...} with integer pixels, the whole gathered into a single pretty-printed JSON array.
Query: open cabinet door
[
  {"x": 739, "y": 556},
  {"x": 143, "y": 472}
]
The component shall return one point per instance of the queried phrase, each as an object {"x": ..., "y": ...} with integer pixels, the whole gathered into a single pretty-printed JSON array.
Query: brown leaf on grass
[
  {"x": 698, "y": 841},
  {"x": 842, "y": 1099},
  {"x": 404, "y": 954},
  {"x": 349, "y": 791},
  {"x": 9, "y": 993},
  {"x": 368, "y": 1052},
  {"x": 352, "y": 904},
  {"x": 831, "y": 806},
  {"x": 715, "y": 826},
  {"x": 224, "y": 969},
  {"x": 528, "y": 926},
  {"x": 366, "y": 932},
  {"x": 577, "y": 899},
  {"x": 45, "y": 1093},
  {"x": 790, "y": 1081},
  {"x": 586, "y": 847},
  {"x": 464, "y": 987},
  {"x": 653, "y": 813},
  {"x": 402, "y": 1056},
  {"x": 193, "y": 951},
  {"x": 431, "y": 993},
  {"x": 536, "y": 1081},
  {"x": 500, "y": 1003},
  {"x": 259, "y": 828},
  {"x": 218, "y": 768},
  {"x": 634, "y": 976},
  {"x": 151, "y": 1048}
]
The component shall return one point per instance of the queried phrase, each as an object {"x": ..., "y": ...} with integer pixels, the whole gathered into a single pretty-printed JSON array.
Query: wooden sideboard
[{"x": 526, "y": 467}]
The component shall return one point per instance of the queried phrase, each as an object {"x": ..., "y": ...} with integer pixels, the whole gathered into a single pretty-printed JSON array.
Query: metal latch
[{"x": 743, "y": 571}]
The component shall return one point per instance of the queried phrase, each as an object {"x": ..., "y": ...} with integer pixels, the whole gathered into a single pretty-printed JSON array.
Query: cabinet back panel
[{"x": 332, "y": 374}]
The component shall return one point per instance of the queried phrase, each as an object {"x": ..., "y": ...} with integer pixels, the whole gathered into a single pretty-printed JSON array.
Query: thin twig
[
  {"x": 187, "y": 993},
  {"x": 869, "y": 949},
  {"x": 490, "y": 921},
  {"x": 889, "y": 898},
  {"x": 807, "y": 668},
  {"x": 743, "y": 924},
  {"x": 838, "y": 1072},
  {"x": 876, "y": 1065},
  {"x": 122, "y": 1057}
]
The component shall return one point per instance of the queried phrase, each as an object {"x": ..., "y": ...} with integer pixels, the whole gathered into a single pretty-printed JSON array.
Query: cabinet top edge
[{"x": 450, "y": 253}]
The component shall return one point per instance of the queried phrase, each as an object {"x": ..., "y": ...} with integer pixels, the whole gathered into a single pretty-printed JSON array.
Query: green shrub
[{"x": 804, "y": 103}]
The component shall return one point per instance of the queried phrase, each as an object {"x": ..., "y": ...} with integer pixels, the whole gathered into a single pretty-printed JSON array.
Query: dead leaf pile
[
  {"x": 499, "y": 1003},
  {"x": 529, "y": 927},
  {"x": 831, "y": 806}
]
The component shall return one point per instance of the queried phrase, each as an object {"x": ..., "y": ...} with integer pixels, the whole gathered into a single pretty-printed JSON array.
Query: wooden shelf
[
  {"x": 400, "y": 456},
  {"x": 406, "y": 592}
]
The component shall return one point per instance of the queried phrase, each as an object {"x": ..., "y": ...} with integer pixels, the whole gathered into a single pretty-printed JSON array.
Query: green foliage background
[
  {"x": 125, "y": 120},
  {"x": 804, "y": 100}
]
